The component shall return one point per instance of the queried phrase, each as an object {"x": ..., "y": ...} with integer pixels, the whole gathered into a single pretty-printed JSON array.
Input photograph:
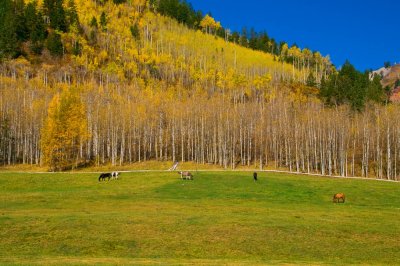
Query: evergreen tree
[
  {"x": 221, "y": 32},
  {"x": 9, "y": 44},
  {"x": 243, "y": 38},
  {"x": 93, "y": 22},
  {"x": 183, "y": 14},
  {"x": 22, "y": 29},
  {"x": 54, "y": 44},
  {"x": 352, "y": 87},
  {"x": 375, "y": 91},
  {"x": 55, "y": 11},
  {"x": 103, "y": 21},
  {"x": 30, "y": 15},
  {"x": 153, "y": 5},
  {"x": 198, "y": 16},
  {"x": 264, "y": 42},
  {"x": 36, "y": 27},
  {"x": 135, "y": 31},
  {"x": 253, "y": 39},
  {"x": 235, "y": 37},
  {"x": 71, "y": 14}
]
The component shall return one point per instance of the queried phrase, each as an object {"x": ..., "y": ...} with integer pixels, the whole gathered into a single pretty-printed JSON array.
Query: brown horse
[
  {"x": 186, "y": 175},
  {"x": 337, "y": 197}
]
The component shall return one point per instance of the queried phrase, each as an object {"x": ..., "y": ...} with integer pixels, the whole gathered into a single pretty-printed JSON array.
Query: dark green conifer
[
  {"x": 54, "y": 44},
  {"x": 103, "y": 21},
  {"x": 93, "y": 22},
  {"x": 55, "y": 11},
  {"x": 9, "y": 43},
  {"x": 71, "y": 14},
  {"x": 135, "y": 31}
]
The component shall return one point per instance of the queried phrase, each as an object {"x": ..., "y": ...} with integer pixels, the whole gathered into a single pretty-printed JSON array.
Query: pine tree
[
  {"x": 54, "y": 44},
  {"x": 72, "y": 15},
  {"x": 243, "y": 38},
  {"x": 103, "y": 21},
  {"x": 375, "y": 91},
  {"x": 22, "y": 29},
  {"x": 135, "y": 31},
  {"x": 93, "y": 22},
  {"x": 55, "y": 11},
  {"x": 30, "y": 15},
  {"x": 38, "y": 34},
  {"x": 36, "y": 27},
  {"x": 9, "y": 44}
]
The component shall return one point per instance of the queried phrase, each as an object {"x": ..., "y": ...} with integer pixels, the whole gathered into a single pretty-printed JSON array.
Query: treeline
[
  {"x": 37, "y": 26},
  {"x": 305, "y": 60},
  {"x": 349, "y": 86},
  {"x": 184, "y": 13},
  {"x": 89, "y": 124}
]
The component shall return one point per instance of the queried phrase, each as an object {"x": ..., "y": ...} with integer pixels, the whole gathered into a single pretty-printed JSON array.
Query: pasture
[{"x": 155, "y": 218}]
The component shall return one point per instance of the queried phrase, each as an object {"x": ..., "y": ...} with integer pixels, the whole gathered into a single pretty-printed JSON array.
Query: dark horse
[
  {"x": 337, "y": 197},
  {"x": 186, "y": 175},
  {"x": 104, "y": 176},
  {"x": 255, "y": 176}
]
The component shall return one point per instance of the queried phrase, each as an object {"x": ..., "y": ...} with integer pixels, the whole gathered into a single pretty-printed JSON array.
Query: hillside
[
  {"x": 116, "y": 82},
  {"x": 127, "y": 66},
  {"x": 389, "y": 75},
  {"x": 390, "y": 80}
]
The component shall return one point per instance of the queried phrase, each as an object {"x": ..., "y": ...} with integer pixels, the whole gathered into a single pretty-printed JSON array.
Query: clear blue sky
[{"x": 364, "y": 31}]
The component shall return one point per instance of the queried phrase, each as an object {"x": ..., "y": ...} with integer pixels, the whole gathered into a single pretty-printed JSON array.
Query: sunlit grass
[{"x": 218, "y": 218}]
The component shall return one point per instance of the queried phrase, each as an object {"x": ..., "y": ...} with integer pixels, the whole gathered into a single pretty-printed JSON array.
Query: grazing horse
[
  {"x": 186, "y": 175},
  {"x": 114, "y": 175},
  {"x": 103, "y": 176},
  {"x": 337, "y": 197}
]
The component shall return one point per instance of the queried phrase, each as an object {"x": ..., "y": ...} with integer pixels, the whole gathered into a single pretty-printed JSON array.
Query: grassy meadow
[{"x": 219, "y": 218}]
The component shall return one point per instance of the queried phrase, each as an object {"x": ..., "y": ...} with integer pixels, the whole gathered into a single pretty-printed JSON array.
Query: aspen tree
[{"x": 64, "y": 129}]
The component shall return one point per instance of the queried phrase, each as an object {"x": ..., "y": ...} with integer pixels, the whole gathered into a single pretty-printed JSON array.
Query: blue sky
[{"x": 364, "y": 31}]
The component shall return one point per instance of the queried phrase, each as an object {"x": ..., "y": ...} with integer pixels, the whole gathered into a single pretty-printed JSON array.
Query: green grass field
[{"x": 220, "y": 218}]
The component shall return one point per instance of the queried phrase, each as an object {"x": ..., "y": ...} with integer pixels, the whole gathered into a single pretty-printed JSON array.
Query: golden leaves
[
  {"x": 209, "y": 25},
  {"x": 65, "y": 128}
]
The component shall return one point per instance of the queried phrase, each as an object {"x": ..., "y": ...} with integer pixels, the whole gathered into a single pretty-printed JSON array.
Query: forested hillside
[{"x": 97, "y": 82}]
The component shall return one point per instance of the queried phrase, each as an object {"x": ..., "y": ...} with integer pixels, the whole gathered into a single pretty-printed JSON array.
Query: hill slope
[
  {"x": 391, "y": 80},
  {"x": 129, "y": 85},
  {"x": 130, "y": 79}
]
